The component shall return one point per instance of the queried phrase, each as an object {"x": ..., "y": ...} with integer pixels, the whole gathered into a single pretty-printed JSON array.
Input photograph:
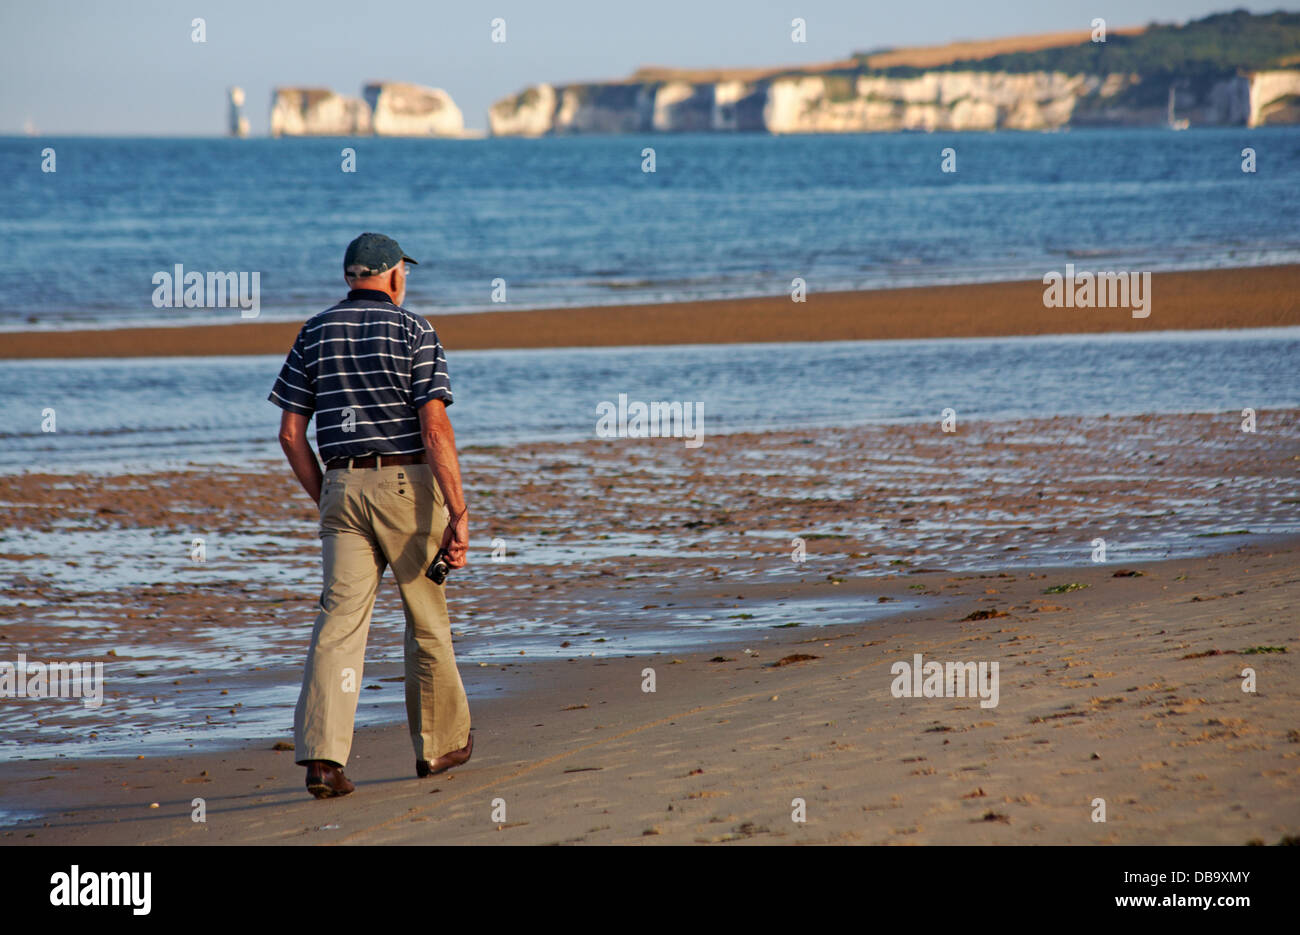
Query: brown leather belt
[{"x": 368, "y": 461}]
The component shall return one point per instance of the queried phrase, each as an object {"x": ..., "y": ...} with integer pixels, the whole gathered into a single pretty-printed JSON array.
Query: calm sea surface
[
  {"x": 142, "y": 414},
  {"x": 576, "y": 221}
]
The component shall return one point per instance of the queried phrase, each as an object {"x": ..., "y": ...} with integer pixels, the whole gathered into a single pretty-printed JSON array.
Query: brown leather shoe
[
  {"x": 446, "y": 761},
  {"x": 325, "y": 780}
]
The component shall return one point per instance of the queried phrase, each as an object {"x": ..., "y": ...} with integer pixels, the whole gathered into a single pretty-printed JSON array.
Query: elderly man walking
[{"x": 375, "y": 377}]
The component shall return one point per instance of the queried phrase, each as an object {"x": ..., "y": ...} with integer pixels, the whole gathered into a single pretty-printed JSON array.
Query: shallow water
[
  {"x": 224, "y": 702},
  {"x": 145, "y": 415},
  {"x": 1153, "y": 486}
]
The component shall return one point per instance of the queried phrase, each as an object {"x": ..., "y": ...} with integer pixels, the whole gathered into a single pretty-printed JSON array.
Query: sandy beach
[
  {"x": 1258, "y": 297},
  {"x": 1127, "y": 690},
  {"x": 969, "y": 547},
  {"x": 1120, "y": 680}
]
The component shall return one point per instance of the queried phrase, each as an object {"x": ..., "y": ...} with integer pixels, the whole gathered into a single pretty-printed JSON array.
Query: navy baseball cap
[{"x": 372, "y": 255}]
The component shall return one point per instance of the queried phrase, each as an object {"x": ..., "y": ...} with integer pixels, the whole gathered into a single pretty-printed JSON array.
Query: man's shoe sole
[{"x": 322, "y": 791}]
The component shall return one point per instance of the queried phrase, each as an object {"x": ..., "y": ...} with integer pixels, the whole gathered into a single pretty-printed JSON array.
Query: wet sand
[
  {"x": 1126, "y": 690},
  {"x": 1257, "y": 297},
  {"x": 605, "y": 547},
  {"x": 627, "y": 549}
]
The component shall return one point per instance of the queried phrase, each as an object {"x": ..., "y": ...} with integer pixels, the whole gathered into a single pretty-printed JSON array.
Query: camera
[{"x": 437, "y": 572}]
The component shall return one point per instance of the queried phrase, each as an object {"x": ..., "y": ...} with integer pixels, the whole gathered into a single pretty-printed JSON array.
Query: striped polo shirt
[{"x": 363, "y": 368}]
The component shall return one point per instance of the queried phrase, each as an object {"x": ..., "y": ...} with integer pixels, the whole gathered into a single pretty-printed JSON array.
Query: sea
[
  {"x": 516, "y": 223},
  {"x": 578, "y": 221}
]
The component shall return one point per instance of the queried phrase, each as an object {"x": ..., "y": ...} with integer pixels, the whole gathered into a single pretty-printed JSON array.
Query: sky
[{"x": 130, "y": 67}]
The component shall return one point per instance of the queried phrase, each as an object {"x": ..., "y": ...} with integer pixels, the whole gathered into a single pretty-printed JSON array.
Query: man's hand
[{"x": 456, "y": 540}]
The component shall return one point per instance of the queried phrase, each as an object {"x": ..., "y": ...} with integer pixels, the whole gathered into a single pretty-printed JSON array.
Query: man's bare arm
[
  {"x": 440, "y": 452},
  {"x": 293, "y": 439}
]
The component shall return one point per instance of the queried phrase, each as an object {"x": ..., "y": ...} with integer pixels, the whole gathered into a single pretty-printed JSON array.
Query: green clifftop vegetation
[{"x": 1220, "y": 44}]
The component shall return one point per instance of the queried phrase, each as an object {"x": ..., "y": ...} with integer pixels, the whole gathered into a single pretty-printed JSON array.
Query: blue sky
[{"x": 130, "y": 67}]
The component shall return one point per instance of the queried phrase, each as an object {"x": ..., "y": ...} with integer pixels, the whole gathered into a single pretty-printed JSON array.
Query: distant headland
[{"x": 1228, "y": 69}]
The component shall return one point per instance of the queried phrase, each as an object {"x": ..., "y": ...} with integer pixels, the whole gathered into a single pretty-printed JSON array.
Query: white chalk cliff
[
  {"x": 854, "y": 103},
  {"x": 400, "y": 109},
  {"x": 317, "y": 112},
  {"x": 389, "y": 108},
  {"x": 1274, "y": 97}
]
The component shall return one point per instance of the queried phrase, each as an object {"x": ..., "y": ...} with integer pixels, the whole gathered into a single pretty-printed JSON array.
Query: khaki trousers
[{"x": 371, "y": 518}]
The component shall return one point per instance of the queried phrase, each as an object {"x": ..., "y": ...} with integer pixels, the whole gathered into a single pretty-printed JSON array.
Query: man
[{"x": 375, "y": 377}]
